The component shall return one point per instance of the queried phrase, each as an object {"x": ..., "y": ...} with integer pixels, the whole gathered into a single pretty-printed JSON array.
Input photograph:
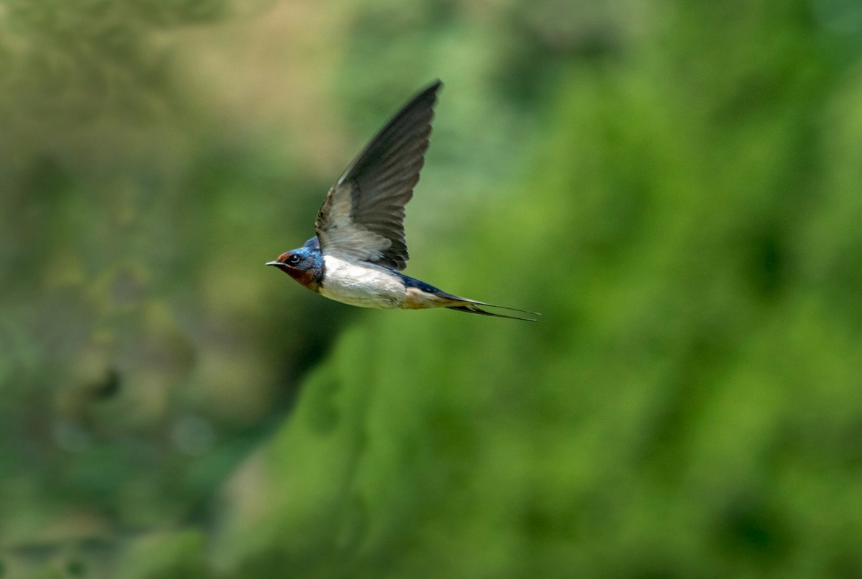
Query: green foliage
[
  {"x": 688, "y": 405},
  {"x": 674, "y": 186}
]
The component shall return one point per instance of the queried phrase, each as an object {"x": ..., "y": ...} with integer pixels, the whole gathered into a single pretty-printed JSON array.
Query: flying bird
[{"x": 359, "y": 250}]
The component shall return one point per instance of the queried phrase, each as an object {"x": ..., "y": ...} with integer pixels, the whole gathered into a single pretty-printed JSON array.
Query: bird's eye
[{"x": 293, "y": 259}]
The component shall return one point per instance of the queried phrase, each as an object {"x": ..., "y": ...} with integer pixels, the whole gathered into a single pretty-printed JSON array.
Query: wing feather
[{"x": 363, "y": 213}]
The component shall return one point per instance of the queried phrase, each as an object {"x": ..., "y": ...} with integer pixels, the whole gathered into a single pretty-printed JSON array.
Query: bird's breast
[{"x": 361, "y": 284}]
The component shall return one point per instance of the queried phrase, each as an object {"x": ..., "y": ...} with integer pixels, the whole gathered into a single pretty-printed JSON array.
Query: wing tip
[{"x": 434, "y": 85}]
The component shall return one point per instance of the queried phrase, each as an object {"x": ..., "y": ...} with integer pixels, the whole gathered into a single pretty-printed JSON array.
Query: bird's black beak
[{"x": 275, "y": 263}]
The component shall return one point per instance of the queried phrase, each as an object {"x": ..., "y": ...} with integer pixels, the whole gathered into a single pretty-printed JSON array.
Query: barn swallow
[{"x": 359, "y": 250}]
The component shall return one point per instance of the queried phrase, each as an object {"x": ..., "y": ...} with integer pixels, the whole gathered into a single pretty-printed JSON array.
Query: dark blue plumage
[{"x": 418, "y": 284}]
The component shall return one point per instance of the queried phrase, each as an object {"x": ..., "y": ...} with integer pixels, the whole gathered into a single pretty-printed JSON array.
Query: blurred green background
[{"x": 676, "y": 185}]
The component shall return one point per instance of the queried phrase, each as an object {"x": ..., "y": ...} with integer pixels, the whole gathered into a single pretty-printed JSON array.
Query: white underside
[
  {"x": 370, "y": 286},
  {"x": 361, "y": 284}
]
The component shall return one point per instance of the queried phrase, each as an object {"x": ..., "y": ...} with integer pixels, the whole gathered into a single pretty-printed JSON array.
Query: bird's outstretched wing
[{"x": 363, "y": 214}]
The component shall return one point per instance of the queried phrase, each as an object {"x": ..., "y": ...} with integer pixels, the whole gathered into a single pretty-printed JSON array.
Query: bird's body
[
  {"x": 362, "y": 284},
  {"x": 359, "y": 251}
]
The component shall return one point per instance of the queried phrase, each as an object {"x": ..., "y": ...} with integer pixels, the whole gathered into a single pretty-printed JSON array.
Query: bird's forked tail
[{"x": 472, "y": 307}]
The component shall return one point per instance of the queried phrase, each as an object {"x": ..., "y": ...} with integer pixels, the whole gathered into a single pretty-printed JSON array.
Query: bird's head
[{"x": 305, "y": 265}]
